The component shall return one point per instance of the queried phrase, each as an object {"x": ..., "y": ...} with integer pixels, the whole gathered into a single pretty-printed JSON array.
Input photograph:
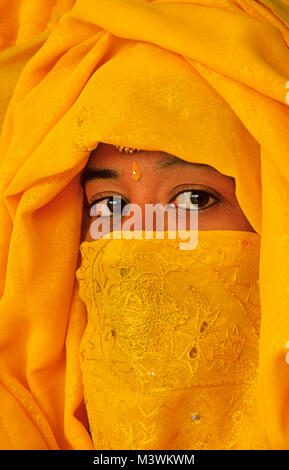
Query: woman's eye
[
  {"x": 106, "y": 207},
  {"x": 201, "y": 198}
]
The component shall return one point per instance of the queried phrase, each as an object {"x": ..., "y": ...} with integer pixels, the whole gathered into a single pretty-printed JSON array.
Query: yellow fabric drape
[
  {"x": 204, "y": 80},
  {"x": 23, "y": 29}
]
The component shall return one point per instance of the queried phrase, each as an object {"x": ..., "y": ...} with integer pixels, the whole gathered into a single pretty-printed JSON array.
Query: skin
[{"x": 164, "y": 179}]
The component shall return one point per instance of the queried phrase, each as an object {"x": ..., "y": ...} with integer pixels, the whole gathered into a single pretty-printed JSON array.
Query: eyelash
[
  {"x": 99, "y": 199},
  {"x": 200, "y": 189}
]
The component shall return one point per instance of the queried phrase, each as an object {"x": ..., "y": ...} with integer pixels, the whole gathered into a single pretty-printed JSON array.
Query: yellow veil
[{"x": 205, "y": 80}]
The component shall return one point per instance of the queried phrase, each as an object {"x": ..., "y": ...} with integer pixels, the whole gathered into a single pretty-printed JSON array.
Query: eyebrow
[
  {"x": 90, "y": 174},
  {"x": 172, "y": 160}
]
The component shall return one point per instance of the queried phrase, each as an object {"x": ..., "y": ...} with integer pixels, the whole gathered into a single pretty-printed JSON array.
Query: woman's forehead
[{"x": 109, "y": 155}]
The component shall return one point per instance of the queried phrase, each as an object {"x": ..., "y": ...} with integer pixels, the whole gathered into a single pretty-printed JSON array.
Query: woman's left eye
[{"x": 201, "y": 198}]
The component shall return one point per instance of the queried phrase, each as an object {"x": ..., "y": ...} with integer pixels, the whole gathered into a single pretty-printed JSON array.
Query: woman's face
[{"x": 165, "y": 179}]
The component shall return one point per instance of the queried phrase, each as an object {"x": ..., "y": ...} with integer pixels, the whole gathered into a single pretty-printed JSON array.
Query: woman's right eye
[{"x": 106, "y": 207}]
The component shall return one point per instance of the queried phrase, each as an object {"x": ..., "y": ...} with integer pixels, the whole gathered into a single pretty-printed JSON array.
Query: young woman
[
  {"x": 138, "y": 343},
  {"x": 169, "y": 355}
]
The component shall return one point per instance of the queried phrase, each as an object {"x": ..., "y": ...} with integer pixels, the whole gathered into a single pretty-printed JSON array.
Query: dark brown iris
[{"x": 201, "y": 198}]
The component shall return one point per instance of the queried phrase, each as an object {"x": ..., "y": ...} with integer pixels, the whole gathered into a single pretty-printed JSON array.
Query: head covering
[{"x": 205, "y": 80}]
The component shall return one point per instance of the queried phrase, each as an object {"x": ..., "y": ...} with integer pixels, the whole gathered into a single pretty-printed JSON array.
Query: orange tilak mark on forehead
[{"x": 136, "y": 173}]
